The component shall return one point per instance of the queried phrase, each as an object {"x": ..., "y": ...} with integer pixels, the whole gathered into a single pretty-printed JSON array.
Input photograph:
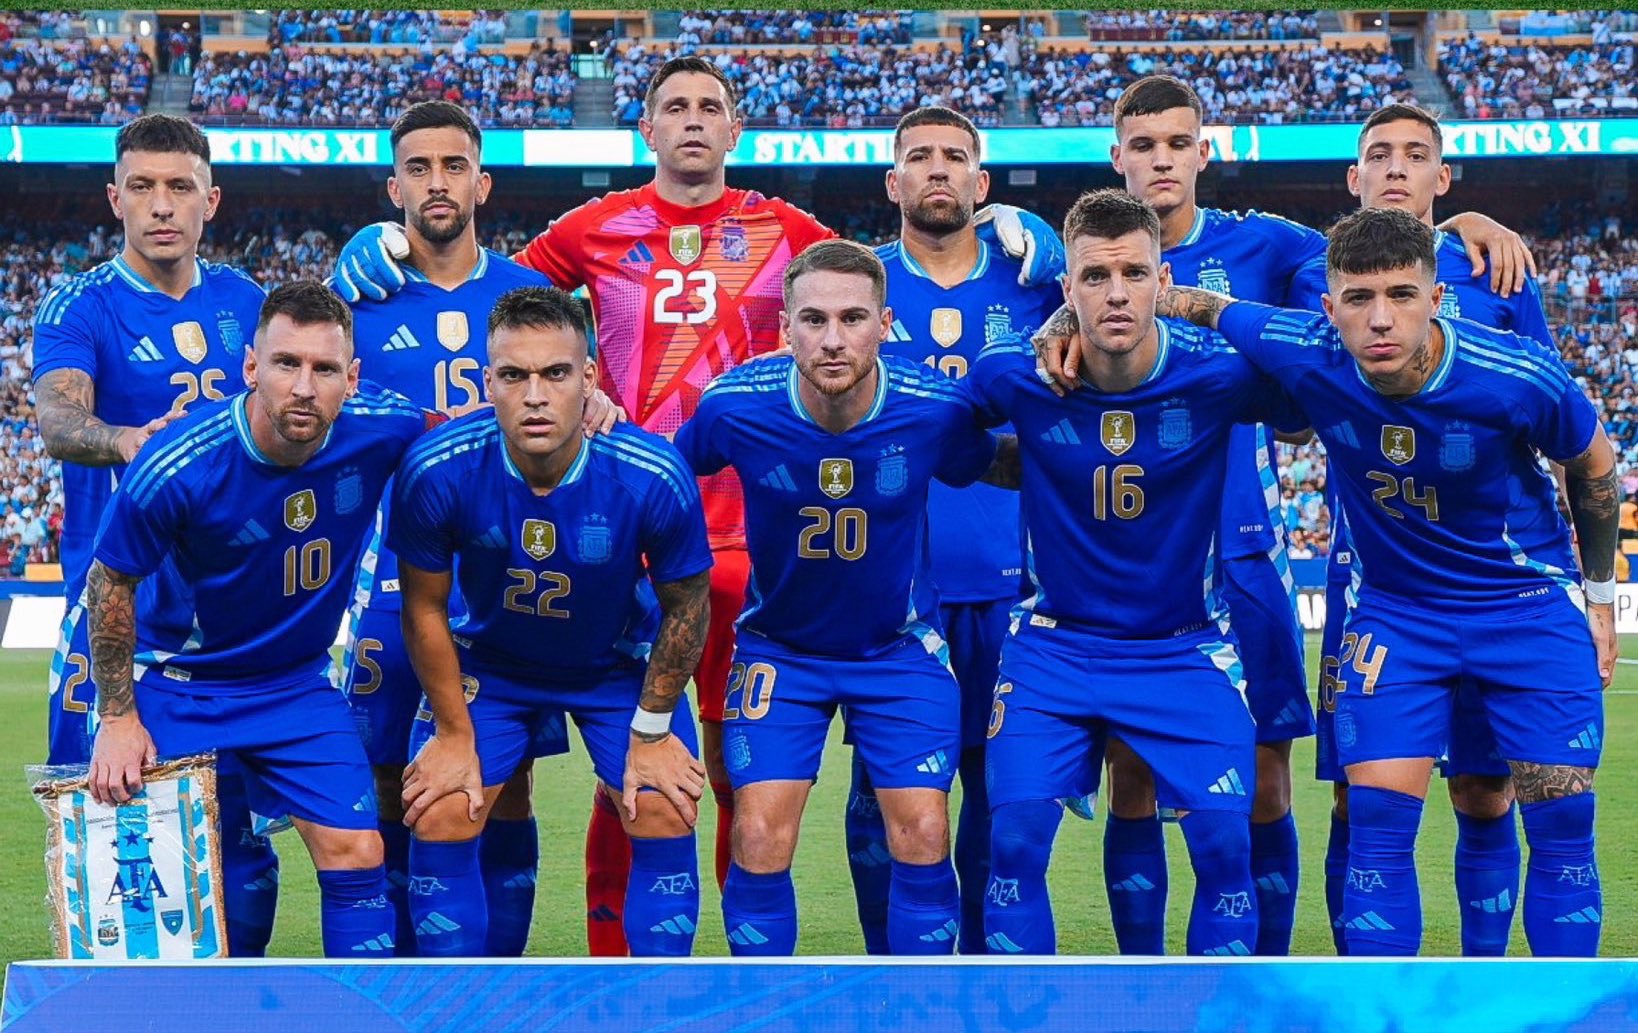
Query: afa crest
[
  {"x": 596, "y": 541},
  {"x": 836, "y": 477},
  {"x": 108, "y": 932},
  {"x": 1456, "y": 448},
  {"x": 349, "y": 490},
  {"x": 736, "y": 246},
  {"x": 892, "y": 474},
  {"x": 686, "y": 243},
  {"x": 1213, "y": 277},
  {"x": 1176, "y": 428},
  {"x": 300, "y": 510},
  {"x": 1118, "y": 429},
  {"x": 539, "y": 538},
  {"x": 190, "y": 341},
  {"x": 233, "y": 335},
  {"x": 1450, "y": 306},
  {"x": 1398, "y": 444},
  {"x": 998, "y": 325},
  {"x": 453, "y": 332},
  {"x": 945, "y": 326}
]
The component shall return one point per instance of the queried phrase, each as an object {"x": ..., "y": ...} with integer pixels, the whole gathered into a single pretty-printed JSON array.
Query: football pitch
[{"x": 562, "y": 802}]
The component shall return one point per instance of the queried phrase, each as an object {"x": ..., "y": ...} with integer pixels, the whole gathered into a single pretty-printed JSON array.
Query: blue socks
[
  {"x": 447, "y": 900},
  {"x": 1336, "y": 875},
  {"x": 1563, "y": 898},
  {"x": 923, "y": 908},
  {"x": 395, "y": 847},
  {"x": 1134, "y": 872},
  {"x": 868, "y": 859},
  {"x": 1017, "y": 908},
  {"x": 508, "y": 856},
  {"x": 353, "y": 913},
  {"x": 663, "y": 897},
  {"x": 1382, "y": 903},
  {"x": 250, "y": 872},
  {"x": 972, "y": 849},
  {"x": 1223, "y": 921},
  {"x": 1487, "y": 882},
  {"x": 1274, "y": 870},
  {"x": 759, "y": 913}
]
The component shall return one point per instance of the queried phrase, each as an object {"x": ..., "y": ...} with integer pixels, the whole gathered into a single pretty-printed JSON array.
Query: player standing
[
  {"x": 1463, "y": 567},
  {"x": 836, "y": 446},
  {"x": 553, "y": 540},
  {"x": 241, "y": 525},
  {"x": 119, "y": 350}
]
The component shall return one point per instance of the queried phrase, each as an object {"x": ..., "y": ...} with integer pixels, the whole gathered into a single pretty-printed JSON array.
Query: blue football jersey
[
  {"x": 1122, "y": 491},
  {"x": 973, "y": 531},
  {"x": 1447, "y": 505},
  {"x": 1253, "y": 256},
  {"x": 147, "y": 353},
  {"x": 836, "y": 523},
  {"x": 555, "y": 586},
  {"x": 429, "y": 345},
  {"x": 249, "y": 564}
]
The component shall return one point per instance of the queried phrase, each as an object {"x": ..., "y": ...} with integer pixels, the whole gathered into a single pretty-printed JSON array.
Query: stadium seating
[
  {"x": 1500, "y": 80},
  {"x": 51, "y": 72},
  {"x": 1180, "y": 26},
  {"x": 733, "y": 27}
]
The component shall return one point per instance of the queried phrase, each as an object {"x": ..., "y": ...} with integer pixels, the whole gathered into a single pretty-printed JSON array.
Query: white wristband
[
  {"x": 646, "y": 722},
  {"x": 1600, "y": 592}
]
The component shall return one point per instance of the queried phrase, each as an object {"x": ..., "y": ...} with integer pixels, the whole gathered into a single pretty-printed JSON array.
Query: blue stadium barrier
[{"x": 1071, "y": 995}]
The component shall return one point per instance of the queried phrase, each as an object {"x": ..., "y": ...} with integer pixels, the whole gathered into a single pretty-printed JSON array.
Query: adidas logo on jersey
[
  {"x": 375, "y": 943},
  {"x": 492, "y": 539},
  {"x": 1500, "y": 904},
  {"x": 602, "y": 913},
  {"x": 1228, "y": 784},
  {"x": 1587, "y": 740},
  {"x": 676, "y": 926},
  {"x": 1135, "y": 883},
  {"x": 898, "y": 332},
  {"x": 1295, "y": 713},
  {"x": 936, "y": 764},
  {"x": 745, "y": 935},
  {"x": 999, "y": 943},
  {"x": 1369, "y": 922},
  {"x": 778, "y": 479},
  {"x": 1273, "y": 883},
  {"x": 943, "y": 934},
  {"x": 145, "y": 351},
  {"x": 1344, "y": 432},
  {"x": 1586, "y": 916},
  {"x": 249, "y": 534},
  {"x": 1061, "y": 433},
  {"x": 1236, "y": 949},
  {"x": 401, "y": 340},
  {"x": 638, "y": 255}
]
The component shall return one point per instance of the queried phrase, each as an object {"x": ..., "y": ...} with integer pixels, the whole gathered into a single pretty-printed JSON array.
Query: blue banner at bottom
[{"x": 1071, "y": 995}]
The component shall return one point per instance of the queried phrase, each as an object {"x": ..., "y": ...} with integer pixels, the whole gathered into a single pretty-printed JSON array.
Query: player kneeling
[{"x": 553, "y": 540}]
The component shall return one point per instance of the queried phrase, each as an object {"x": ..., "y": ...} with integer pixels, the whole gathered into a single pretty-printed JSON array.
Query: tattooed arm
[
  {"x": 1193, "y": 304},
  {"x": 1058, "y": 350},
  {"x": 123, "y": 745},
  {"x": 1595, "y": 511},
  {"x": 1007, "y": 471},
  {"x": 655, "y": 758},
  {"x": 66, "y": 401}
]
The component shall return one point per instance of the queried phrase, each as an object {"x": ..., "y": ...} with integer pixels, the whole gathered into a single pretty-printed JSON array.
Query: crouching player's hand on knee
[
  {"x": 661, "y": 762},
  {"x": 122, "y": 750},
  {"x": 447, "y": 764}
]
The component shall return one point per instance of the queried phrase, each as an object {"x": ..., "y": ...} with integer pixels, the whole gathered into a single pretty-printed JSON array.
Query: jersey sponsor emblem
[
  {"x": 1213, "y": 277},
  {"x": 108, "y": 932},
  {"x": 539, "y": 538},
  {"x": 945, "y": 326},
  {"x": 300, "y": 510},
  {"x": 892, "y": 474},
  {"x": 1456, "y": 448},
  {"x": 172, "y": 920},
  {"x": 685, "y": 243},
  {"x": 1175, "y": 426},
  {"x": 190, "y": 341},
  {"x": 452, "y": 330},
  {"x": 1398, "y": 444},
  {"x": 836, "y": 477},
  {"x": 596, "y": 542},
  {"x": 349, "y": 491},
  {"x": 1119, "y": 431},
  {"x": 736, "y": 246},
  {"x": 233, "y": 335}
]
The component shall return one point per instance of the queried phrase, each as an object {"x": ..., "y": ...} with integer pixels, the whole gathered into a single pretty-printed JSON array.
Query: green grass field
[{"x": 562, "y": 800}]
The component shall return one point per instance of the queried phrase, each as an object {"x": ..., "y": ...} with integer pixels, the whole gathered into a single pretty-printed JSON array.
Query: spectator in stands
[
  {"x": 44, "y": 80},
  {"x": 1497, "y": 80}
]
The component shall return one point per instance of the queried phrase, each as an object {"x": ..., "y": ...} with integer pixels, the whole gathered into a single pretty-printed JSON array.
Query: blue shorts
[
  {"x": 1262, "y": 612},
  {"x": 511, "y": 716},
  {"x": 1533, "y": 670},
  {"x": 975, "y": 632},
  {"x": 386, "y": 695},
  {"x": 1178, "y": 703},
  {"x": 72, "y": 696},
  {"x": 903, "y": 714},
  {"x": 1473, "y": 749},
  {"x": 1326, "y": 766},
  {"x": 296, "y": 747}
]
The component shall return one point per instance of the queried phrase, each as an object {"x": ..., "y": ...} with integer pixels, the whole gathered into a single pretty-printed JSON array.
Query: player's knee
[
  {"x": 657, "y": 818},
  {"x": 1218, "y": 842},
  {"x": 1273, "y": 797},
  {"x": 516, "y": 800},
  {"x": 920, "y": 835},
  {"x": 764, "y": 839},
  {"x": 1486, "y": 797},
  {"x": 447, "y": 821},
  {"x": 1339, "y": 800},
  {"x": 344, "y": 849},
  {"x": 1021, "y": 837}
]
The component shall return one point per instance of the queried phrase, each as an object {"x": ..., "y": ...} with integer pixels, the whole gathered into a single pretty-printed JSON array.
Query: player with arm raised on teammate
[
  {"x": 1400, "y": 166},
  {"x": 219, "y": 571},
  {"x": 1463, "y": 567},
  {"x": 119, "y": 350},
  {"x": 426, "y": 342},
  {"x": 836, "y": 446},
  {"x": 1126, "y": 633},
  {"x": 951, "y": 292},
  {"x": 553, "y": 540},
  {"x": 1161, "y": 152},
  {"x": 684, "y": 277}
]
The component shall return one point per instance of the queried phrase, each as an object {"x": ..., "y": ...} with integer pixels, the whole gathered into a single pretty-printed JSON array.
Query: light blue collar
[
  {"x": 574, "y": 472},
  {"x": 794, "y": 377},
  {"x": 241, "y": 426},
  {"x": 481, "y": 267},
  {"x": 1446, "y": 362},
  {"x": 142, "y": 286},
  {"x": 914, "y": 267}
]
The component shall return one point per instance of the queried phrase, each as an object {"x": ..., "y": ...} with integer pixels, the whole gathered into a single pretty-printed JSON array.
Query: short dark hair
[
  {"x": 538, "y": 308},
  {"x": 1153, "y": 94},
  {"x": 306, "y": 303},
  {"x": 161, "y": 134},
  {"x": 838, "y": 256},
  {"x": 1375, "y": 240},
  {"x": 937, "y": 115},
  {"x": 1400, "y": 112},
  {"x": 435, "y": 114},
  {"x": 1110, "y": 213},
  {"x": 682, "y": 65}
]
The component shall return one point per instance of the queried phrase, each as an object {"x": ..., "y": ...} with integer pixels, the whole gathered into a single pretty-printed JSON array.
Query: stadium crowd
[
  {"x": 1182, "y": 26},
  {"x": 733, "y": 27},
  {"x": 386, "y": 27},
  {"x": 1496, "y": 80},
  {"x": 50, "y": 72}
]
